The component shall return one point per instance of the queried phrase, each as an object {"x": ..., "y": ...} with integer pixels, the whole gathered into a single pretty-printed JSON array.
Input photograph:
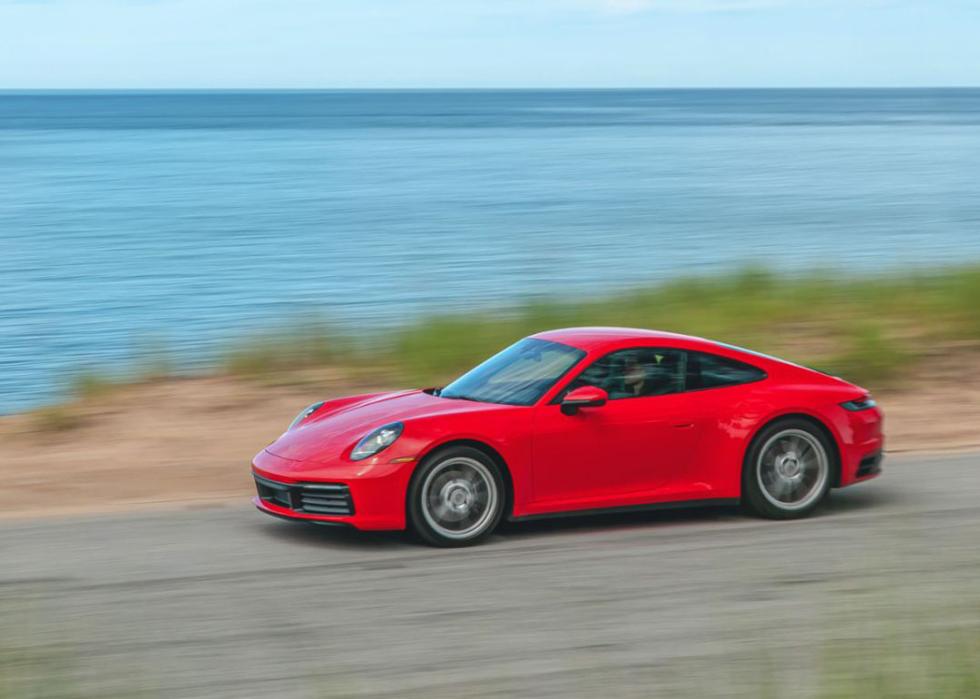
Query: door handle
[{"x": 684, "y": 425}]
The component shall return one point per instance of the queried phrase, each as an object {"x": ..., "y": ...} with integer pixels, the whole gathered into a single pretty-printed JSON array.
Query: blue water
[{"x": 190, "y": 219}]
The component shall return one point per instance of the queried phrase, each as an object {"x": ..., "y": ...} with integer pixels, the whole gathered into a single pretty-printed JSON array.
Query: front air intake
[{"x": 313, "y": 498}]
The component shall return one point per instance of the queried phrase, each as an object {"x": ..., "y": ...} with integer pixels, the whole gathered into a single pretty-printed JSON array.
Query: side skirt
[{"x": 652, "y": 507}]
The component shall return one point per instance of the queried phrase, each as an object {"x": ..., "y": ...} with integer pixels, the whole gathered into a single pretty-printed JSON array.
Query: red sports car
[{"x": 574, "y": 421}]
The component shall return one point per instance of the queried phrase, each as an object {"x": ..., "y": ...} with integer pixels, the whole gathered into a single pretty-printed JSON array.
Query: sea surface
[{"x": 189, "y": 219}]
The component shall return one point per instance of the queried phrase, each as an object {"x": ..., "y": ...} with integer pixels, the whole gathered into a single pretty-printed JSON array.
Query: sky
[{"x": 487, "y": 43}]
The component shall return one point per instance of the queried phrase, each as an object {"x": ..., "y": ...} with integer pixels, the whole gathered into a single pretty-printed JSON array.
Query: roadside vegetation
[
  {"x": 871, "y": 330},
  {"x": 920, "y": 667},
  {"x": 924, "y": 666},
  {"x": 879, "y": 331}
]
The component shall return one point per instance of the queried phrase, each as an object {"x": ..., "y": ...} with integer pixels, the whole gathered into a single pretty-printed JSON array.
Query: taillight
[{"x": 862, "y": 403}]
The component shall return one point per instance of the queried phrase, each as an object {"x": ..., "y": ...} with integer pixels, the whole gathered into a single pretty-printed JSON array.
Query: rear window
[{"x": 711, "y": 371}]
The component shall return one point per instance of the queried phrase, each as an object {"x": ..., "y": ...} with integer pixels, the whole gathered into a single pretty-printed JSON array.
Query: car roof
[{"x": 597, "y": 338}]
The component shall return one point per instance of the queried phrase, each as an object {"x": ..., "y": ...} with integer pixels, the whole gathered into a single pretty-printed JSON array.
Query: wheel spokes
[
  {"x": 792, "y": 469},
  {"x": 459, "y": 497}
]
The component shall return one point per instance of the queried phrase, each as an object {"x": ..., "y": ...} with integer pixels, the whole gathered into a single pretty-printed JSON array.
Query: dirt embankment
[{"x": 190, "y": 442}]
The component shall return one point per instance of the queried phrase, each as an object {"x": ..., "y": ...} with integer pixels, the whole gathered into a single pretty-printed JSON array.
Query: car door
[{"x": 625, "y": 451}]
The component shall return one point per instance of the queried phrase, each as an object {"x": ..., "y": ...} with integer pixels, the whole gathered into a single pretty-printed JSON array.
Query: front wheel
[
  {"x": 456, "y": 497},
  {"x": 787, "y": 470}
]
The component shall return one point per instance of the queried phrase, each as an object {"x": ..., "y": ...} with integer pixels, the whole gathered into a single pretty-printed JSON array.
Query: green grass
[
  {"x": 92, "y": 385},
  {"x": 923, "y": 666},
  {"x": 56, "y": 418},
  {"x": 920, "y": 667},
  {"x": 871, "y": 330},
  {"x": 299, "y": 345}
]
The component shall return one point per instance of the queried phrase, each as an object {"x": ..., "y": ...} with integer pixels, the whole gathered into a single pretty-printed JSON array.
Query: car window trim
[
  {"x": 763, "y": 374},
  {"x": 555, "y": 399},
  {"x": 582, "y": 355}
]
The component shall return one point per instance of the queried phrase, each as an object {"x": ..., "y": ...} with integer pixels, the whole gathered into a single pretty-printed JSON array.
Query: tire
[
  {"x": 788, "y": 470},
  {"x": 456, "y": 497}
]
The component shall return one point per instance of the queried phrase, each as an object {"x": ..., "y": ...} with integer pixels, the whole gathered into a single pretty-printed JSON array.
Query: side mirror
[{"x": 583, "y": 397}]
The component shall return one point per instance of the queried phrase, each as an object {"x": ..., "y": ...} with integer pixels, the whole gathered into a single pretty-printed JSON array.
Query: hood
[{"x": 335, "y": 429}]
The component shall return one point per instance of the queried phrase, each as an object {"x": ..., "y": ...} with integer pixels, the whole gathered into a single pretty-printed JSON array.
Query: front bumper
[
  {"x": 364, "y": 495},
  {"x": 870, "y": 466},
  {"x": 863, "y": 443}
]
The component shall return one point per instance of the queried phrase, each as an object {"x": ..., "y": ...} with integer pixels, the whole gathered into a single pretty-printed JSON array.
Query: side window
[
  {"x": 712, "y": 371},
  {"x": 633, "y": 373}
]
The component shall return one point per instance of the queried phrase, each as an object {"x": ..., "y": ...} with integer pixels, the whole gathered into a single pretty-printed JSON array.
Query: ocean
[{"x": 190, "y": 219}]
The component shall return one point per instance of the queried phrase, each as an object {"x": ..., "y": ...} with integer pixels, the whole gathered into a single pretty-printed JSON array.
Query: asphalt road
[{"x": 226, "y": 602}]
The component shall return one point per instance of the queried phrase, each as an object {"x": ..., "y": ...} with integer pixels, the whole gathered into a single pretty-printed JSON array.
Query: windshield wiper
[{"x": 461, "y": 397}]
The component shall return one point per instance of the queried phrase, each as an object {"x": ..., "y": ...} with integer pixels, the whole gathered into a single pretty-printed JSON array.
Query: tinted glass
[
  {"x": 519, "y": 375},
  {"x": 712, "y": 371},
  {"x": 633, "y": 373}
]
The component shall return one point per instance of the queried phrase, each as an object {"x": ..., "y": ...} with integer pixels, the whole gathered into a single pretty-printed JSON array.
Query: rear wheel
[
  {"x": 456, "y": 497},
  {"x": 787, "y": 471}
]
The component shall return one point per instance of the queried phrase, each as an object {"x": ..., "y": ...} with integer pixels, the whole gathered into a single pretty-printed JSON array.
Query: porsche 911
[{"x": 576, "y": 421}]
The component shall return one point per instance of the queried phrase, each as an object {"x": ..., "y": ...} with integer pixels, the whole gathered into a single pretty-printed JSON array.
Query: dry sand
[{"x": 186, "y": 442}]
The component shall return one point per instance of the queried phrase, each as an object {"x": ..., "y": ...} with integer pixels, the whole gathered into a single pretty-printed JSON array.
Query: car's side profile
[{"x": 574, "y": 421}]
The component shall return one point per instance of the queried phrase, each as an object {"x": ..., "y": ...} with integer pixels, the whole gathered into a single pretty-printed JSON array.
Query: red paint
[{"x": 644, "y": 450}]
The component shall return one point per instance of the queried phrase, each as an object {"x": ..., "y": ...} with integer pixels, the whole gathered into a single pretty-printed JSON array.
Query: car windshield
[{"x": 519, "y": 375}]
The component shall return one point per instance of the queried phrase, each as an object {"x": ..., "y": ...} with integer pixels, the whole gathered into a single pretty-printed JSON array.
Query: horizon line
[{"x": 501, "y": 88}]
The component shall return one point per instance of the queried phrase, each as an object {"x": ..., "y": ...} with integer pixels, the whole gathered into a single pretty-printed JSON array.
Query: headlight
[
  {"x": 305, "y": 414},
  {"x": 376, "y": 441}
]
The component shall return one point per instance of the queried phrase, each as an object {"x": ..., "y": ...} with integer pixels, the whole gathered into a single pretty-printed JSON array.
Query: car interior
[{"x": 635, "y": 373}]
